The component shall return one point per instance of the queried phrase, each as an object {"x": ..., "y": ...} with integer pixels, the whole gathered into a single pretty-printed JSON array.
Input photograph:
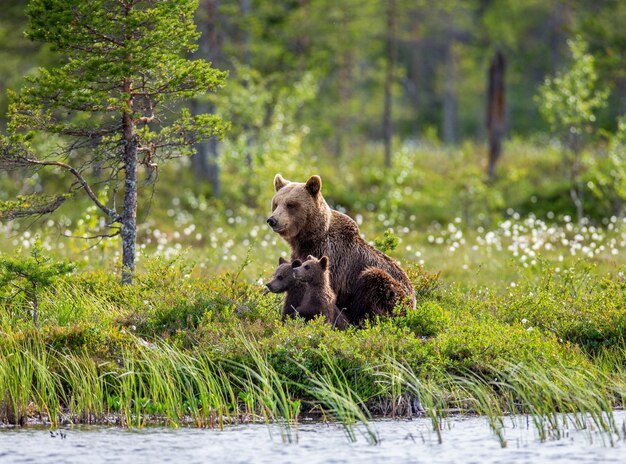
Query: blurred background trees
[
  {"x": 442, "y": 52},
  {"x": 342, "y": 80}
]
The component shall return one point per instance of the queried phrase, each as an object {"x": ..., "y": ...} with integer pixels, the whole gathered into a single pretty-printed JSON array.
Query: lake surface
[{"x": 464, "y": 440}]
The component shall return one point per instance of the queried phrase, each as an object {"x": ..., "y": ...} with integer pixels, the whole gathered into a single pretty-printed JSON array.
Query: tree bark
[
  {"x": 391, "y": 59},
  {"x": 449, "y": 97},
  {"x": 204, "y": 162},
  {"x": 495, "y": 111},
  {"x": 129, "y": 214}
]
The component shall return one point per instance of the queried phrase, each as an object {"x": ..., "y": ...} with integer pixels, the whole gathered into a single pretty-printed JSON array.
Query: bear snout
[{"x": 272, "y": 222}]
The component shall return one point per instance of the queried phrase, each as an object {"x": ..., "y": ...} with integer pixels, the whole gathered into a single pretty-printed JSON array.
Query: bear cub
[
  {"x": 283, "y": 280},
  {"x": 319, "y": 297}
]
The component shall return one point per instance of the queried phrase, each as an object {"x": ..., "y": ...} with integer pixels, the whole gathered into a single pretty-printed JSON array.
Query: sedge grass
[
  {"x": 428, "y": 394},
  {"x": 85, "y": 392},
  {"x": 331, "y": 389},
  {"x": 161, "y": 382},
  {"x": 269, "y": 391},
  {"x": 554, "y": 397},
  {"x": 26, "y": 381}
]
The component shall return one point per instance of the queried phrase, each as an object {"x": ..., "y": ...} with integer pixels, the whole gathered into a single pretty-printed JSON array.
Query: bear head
[
  {"x": 283, "y": 278},
  {"x": 313, "y": 271},
  {"x": 298, "y": 207}
]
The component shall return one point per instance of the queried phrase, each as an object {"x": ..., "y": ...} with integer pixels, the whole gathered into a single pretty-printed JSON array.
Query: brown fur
[
  {"x": 365, "y": 280},
  {"x": 283, "y": 280},
  {"x": 318, "y": 297}
]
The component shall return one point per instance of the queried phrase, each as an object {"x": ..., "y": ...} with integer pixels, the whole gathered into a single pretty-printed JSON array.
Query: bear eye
[
  {"x": 280, "y": 277},
  {"x": 307, "y": 267},
  {"x": 291, "y": 205}
]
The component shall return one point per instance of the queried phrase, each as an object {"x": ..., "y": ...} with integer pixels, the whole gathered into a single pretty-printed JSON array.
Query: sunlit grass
[
  {"x": 519, "y": 314},
  {"x": 338, "y": 400}
]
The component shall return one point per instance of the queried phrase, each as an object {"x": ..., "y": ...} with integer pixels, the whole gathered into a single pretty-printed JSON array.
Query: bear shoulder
[{"x": 343, "y": 225}]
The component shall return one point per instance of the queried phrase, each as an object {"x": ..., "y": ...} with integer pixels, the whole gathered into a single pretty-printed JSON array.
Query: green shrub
[{"x": 427, "y": 319}]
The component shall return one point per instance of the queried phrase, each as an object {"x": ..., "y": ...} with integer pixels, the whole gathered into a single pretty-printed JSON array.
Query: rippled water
[{"x": 466, "y": 440}]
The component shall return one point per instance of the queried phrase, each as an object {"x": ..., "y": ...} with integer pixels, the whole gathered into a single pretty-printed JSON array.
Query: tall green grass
[
  {"x": 84, "y": 386},
  {"x": 161, "y": 383},
  {"x": 331, "y": 389},
  {"x": 27, "y": 384},
  {"x": 554, "y": 397},
  {"x": 265, "y": 390}
]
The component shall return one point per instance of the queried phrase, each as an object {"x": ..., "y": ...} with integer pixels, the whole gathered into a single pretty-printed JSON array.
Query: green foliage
[
  {"x": 608, "y": 175},
  {"x": 268, "y": 137},
  {"x": 100, "y": 52},
  {"x": 29, "y": 205},
  {"x": 427, "y": 319},
  {"x": 570, "y": 101},
  {"x": 113, "y": 103},
  {"x": 27, "y": 277},
  {"x": 389, "y": 242},
  {"x": 577, "y": 307},
  {"x": 458, "y": 349}
]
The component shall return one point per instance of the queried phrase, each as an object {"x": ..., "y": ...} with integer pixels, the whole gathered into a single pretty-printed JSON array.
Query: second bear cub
[
  {"x": 319, "y": 297},
  {"x": 282, "y": 281}
]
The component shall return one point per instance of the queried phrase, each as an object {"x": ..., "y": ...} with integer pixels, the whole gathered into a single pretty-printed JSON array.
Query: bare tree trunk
[
  {"x": 204, "y": 162},
  {"x": 246, "y": 9},
  {"x": 129, "y": 212},
  {"x": 449, "y": 97},
  {"x": 391, "y": 59},
  {"x": 495, "y": 111}
]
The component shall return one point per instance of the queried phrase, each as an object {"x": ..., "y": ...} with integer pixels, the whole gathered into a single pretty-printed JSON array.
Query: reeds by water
[{"x": 157, "y": 382}]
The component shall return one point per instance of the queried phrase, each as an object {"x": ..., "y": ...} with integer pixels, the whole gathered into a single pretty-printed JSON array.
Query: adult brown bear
[{"x": 365, "y": 280}]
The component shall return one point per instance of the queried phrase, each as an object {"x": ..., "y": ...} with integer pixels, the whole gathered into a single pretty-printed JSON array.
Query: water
[{"x": 466, "y": 440}]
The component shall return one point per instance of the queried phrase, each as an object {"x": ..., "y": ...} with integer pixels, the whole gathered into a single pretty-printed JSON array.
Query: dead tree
[{"x": 495, "y": 110}]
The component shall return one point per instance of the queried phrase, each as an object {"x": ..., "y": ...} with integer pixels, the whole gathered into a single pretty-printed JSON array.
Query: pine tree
[{"x": 110, "y": 106}]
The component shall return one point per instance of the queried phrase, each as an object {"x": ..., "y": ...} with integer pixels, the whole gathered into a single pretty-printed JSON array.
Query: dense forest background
[{"x": 339, "y": 52}]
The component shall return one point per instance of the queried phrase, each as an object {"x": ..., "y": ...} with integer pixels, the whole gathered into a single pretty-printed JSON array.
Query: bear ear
[
  {"x": 279, "y": 182},
  {"x": 314, "y": 185},
  {"x": 324, "y": 262},
  {"x": 296, "y": 263},
  {"x": 281, "y": 260},
  {"x": 310, "y": 257}
]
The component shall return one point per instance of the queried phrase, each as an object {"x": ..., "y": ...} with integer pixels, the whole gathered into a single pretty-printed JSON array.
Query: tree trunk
[
  {"x": 391, "y": 59},
  {"x": 246, "y": 9},
  {"x": 204, "y": 162},
  {"x": 449, "y": 97},
  {"x": 129, "y": 212},
  {"x": 495, "y": 111}
]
